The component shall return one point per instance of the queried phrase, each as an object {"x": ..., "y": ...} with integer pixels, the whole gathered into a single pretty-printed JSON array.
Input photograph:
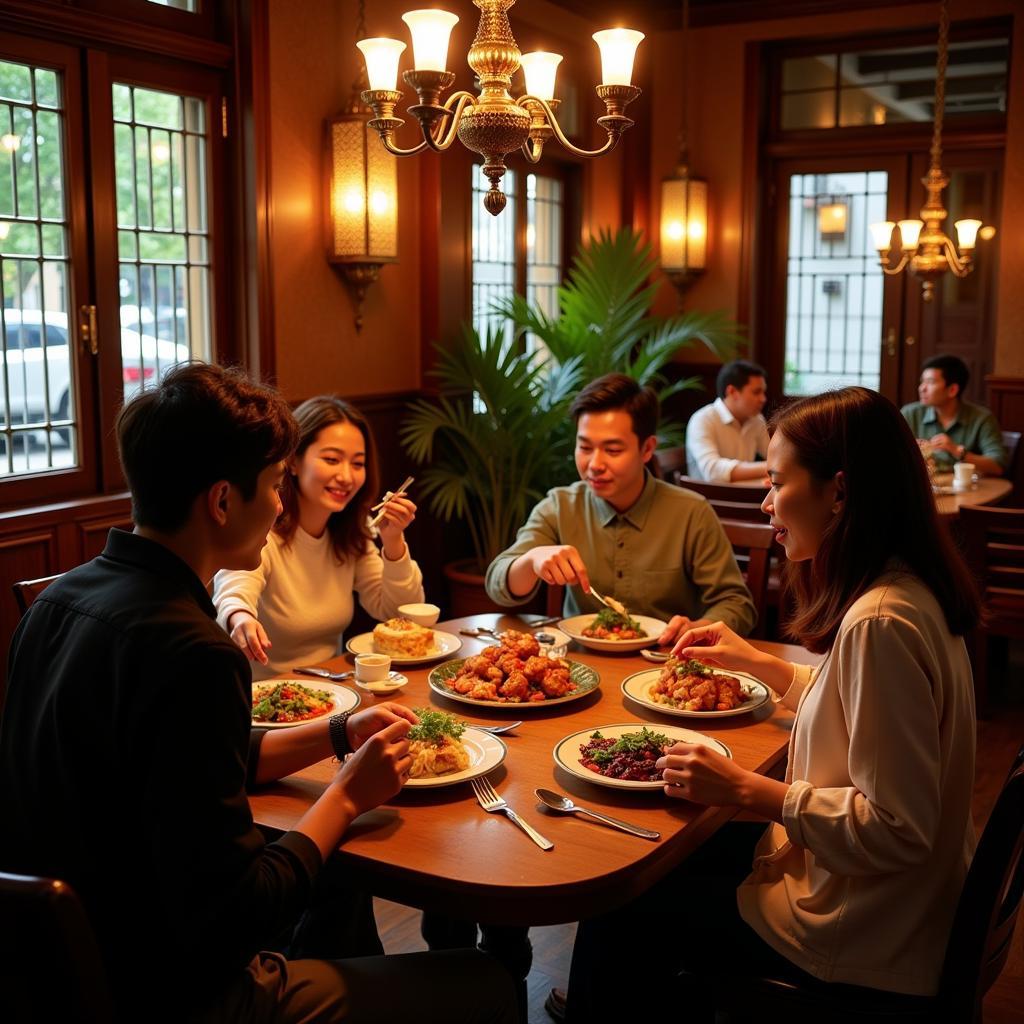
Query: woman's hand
[
  {"x": 377, "y": 770},
  {"x": 250, "y": 636},
  {"x": 366, "y": 723},
  {"x": 717, "y": 644},
  {"x": 677, "y": 626},
  {"x": 695, "y": 772},
  {"x": 399, "y": 512}
]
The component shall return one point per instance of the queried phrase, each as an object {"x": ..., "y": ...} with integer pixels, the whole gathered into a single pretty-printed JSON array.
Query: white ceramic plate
[
  {"x": 575, "y": 626},
  {"x": 344, "y": 700},
  {"x": 486, "y": 752},
  {"x": 585, "y": 678},
  {"x": 638, "y": 687},
  {"x": 444, "y": 645},
  {"x": 567, "y": 751}
]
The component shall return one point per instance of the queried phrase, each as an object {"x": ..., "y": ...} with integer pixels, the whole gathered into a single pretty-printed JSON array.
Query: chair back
[
  {"x": 730, "y": 501},
  {"x": 50, "y": 967},
  {"x": 989, "y": 905},
  {"x": 26, "y": 591},
  {"x": 752, "y": 543},
  {"x": 667, "y": 462},
  {"x": 994, "y": 545}
]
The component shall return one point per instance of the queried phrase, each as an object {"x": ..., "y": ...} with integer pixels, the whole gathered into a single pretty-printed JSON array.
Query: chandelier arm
[
  {"x": 385, "y": 141},
  {"x": 532, "y": 151},
  {"x": 892, "y": 271},
  {"x": 454, "y": 105},
  {"x": 959, "y": 267},
  {"x": 553, "y": 124}
]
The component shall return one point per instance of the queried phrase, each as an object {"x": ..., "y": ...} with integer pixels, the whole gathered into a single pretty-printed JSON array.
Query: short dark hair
[
  {"x": 620, "y": 391},
  {"x": 348, "y": 528},
  {"x": 859, "y": 433},
  {"x": 953, "y": 369},
  {"x": 737, "y": 373},
  {"x": 202, "y": 423}
]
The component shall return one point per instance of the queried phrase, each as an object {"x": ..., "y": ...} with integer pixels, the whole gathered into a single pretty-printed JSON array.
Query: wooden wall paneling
[
  {"x": 1006, "y": 400},
  {"x": 92, "y": 534},
  {"x": 26, "y": 555}
]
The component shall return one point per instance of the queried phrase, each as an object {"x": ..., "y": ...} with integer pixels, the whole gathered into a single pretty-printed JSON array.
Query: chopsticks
[{"x": 387, "y": 497}]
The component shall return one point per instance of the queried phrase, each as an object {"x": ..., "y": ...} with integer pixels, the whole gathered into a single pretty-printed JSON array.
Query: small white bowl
[{"x": 421, "y": 614}]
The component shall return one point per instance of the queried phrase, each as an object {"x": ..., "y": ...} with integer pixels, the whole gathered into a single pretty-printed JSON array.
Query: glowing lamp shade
[
  {"x": 832, "y": 222},
  {"x": 431, "y": 31},
  {"x": 684, "y": 224},
  {"x": 881, "y": 235},
  {"x": 910, "y": 231},
  {"x": 618, "y": 48},
  {"x": 967, "y": 232},
  {"x": 382, "y": 56},
  {"x": 363, "y": 195},
  {"x": 539, "y": 68}
]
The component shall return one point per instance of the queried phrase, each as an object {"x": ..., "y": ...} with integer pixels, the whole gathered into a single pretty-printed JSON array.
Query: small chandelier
[
  {"x": 492, "y": 124},
  {"x": 684, "y": 206},
  {"x": 926, "y": 249},
  {"x": 362, "y": 196}
]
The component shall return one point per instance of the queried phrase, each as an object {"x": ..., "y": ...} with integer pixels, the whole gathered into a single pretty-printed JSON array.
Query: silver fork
[{"x": 491, "y": 802}]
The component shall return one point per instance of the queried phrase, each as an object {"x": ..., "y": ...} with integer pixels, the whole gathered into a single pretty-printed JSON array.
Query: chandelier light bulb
[
  {"x": 618, "y": 48},
  {"x": 382, "y": 56},
  {"x": 910, "y": 231},
  {"x": 881, "y": 234},
  {"x": 431, "y": 31},
  {"x": 967, "y": 232},
  {"x": 540, "y": 68}
]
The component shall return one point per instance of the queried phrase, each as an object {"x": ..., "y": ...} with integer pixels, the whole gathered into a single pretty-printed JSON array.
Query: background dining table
[
  {"x": 989, "y": 490},
  {"x": 438, "y": 850}
]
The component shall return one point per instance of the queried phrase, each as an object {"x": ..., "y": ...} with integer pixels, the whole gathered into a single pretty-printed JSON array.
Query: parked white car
[{"x": 28, "y": 377}]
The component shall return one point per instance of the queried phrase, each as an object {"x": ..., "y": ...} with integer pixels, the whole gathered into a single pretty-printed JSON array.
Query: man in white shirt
[{"x": 726, "y": 441}]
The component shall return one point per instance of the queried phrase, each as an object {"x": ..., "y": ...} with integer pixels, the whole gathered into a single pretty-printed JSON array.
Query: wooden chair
[
  {"x": 994, "y": 546},
  {"x": 50, "y": 967},
  {"x": 667, "y": 462},
  {"x": 730, "y": 501},
  {"x": 26, "y": 591},
  {"x": 977, "y": 949},
  {"x": 753, "y": 543}
]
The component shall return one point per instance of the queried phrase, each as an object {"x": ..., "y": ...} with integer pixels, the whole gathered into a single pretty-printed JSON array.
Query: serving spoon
[{"x": 564, "y": 805}]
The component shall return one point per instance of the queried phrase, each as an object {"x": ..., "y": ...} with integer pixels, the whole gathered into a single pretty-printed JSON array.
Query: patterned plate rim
[
  {"x": 667, "y": 709},
  {"x": 435, "y": 682}
]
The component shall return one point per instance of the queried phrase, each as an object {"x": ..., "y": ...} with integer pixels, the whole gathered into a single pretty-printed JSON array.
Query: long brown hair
[
  {"x": 888, "y": 513},
  {"x": 348, "y": 528}
]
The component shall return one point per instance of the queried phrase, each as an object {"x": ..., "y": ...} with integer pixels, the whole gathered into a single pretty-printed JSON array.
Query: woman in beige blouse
[{"x": 857, "y": 876}]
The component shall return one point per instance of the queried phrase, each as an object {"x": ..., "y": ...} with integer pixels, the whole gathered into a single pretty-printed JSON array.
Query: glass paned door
[
  {"x": 37, "y": 400},
  {"x": 833, "y": 315}
]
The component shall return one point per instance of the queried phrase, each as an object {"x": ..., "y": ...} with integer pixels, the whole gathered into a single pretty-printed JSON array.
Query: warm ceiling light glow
[
  {"x": 832, "y": 221},
  {"x": 618, "y": 48},
  {"x": 987, "y": 232},
  {"x": 967, "y": 232},
  {"x": 10, "y": 142},
  {"x": 382, "y": 57},
  {"x": 539, "y": 69},
  {"x": 431, "y": 31},
  {"x": 5, "y": 229},
  {"x": 161, "y": 152}
]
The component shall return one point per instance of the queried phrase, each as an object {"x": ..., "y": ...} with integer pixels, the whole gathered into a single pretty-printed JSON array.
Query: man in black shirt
[{"x": 126, "y": 748}]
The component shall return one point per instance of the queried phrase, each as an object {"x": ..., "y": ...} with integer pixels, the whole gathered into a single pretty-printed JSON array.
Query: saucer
[{"x": 384, "y": 686}]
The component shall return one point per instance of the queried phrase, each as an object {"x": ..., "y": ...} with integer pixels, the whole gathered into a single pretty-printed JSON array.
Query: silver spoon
[
  {"x": 564, "y": 805},
  {"x": 654, "y": 655},
  {"x": 498, "y": 729},
  {"x": 337, "y": 677}
]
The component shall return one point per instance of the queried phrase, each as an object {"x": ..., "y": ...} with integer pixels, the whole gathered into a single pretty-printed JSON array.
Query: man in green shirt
[
  {"x": 657, "y": 548},
  {"x": 949, "y": 428}
]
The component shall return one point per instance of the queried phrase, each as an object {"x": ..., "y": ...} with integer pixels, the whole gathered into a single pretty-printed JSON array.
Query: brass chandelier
[
  {"x": 926, "y": 250},
  {"x": 492, "y": 123}
]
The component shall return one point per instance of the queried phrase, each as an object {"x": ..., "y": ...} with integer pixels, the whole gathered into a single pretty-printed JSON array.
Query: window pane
[
  {"x": 163, "y": 241},
  {"x": 801, "y": 73},
  {"x": 181, "y": 5},
  {"x": 809, "y": 110},
  {"x": 834, "y": 283},
  {"x": 494, "y": 250},
  {"x": 544, "y": 219},
  {"x": 37, "y": 400}
]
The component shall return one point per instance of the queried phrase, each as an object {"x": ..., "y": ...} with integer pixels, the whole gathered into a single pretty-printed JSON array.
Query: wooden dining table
[
  {"x": 989, "y": 490},
  {"x": 438, "y": 850}
]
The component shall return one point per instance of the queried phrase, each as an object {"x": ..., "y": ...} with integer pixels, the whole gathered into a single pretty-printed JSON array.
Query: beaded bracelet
[{"x": 339, "y": 735}]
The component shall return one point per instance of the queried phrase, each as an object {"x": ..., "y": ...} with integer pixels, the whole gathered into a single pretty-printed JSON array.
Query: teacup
[
  {"x": 421, "y": 614},
  {"x": 963, "y": 476},
  {"x": 372, "y": 668}
]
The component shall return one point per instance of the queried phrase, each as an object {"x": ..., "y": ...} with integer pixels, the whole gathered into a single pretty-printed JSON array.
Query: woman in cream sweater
[
  {"x": 857, "y": 877},
  {"x": 293, "y": 609}
]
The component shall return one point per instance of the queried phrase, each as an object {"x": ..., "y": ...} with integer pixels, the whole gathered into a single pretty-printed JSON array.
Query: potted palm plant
[{"x": 498, "y": 435}]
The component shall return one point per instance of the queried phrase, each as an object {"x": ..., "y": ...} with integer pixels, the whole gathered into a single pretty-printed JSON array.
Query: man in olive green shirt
[
  {"x": 658, "y": 549},
  {"x": 949, "y": 428}
]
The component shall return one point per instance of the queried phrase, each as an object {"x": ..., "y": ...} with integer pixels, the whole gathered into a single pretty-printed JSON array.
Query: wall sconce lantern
[
  {"x": 362, "y": 198},
  {"x": 832, "y": 221},
  {"x": 684, "y": 227}
]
